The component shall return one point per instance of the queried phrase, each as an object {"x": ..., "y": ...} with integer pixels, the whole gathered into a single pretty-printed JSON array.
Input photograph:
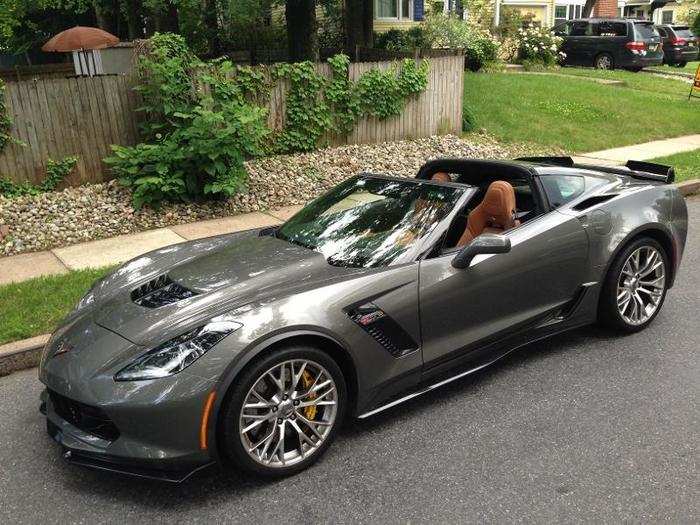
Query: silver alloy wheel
[
  {"x": 641, "y": 285},
  {"x": 288, "y": 413},
  {"x": 604, "y": 62}
]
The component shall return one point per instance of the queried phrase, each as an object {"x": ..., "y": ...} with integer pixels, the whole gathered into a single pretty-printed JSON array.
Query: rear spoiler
[{"x": 633, "y": 168}]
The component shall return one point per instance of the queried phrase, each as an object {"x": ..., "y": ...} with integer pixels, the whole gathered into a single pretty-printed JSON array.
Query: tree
[
  {"x": 588, "y": 8},
  {"x": 302, "y": 39},
  {"x": 359, "y": 20}
]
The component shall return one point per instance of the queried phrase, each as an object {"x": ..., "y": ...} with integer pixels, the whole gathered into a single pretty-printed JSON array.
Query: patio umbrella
[{"x": 80, "y": 38}]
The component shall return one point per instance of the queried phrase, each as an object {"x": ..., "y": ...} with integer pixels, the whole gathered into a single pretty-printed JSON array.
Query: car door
[
  {"x": 577, "y": 43},
  {"x": 461, "y": 310}
]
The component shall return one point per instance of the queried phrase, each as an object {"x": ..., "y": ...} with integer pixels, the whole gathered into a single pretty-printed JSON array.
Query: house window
[
  {"x": 393, "y": 9},
  {"x": 560, "y": 11},
  {"x": 667, "y": 17}
]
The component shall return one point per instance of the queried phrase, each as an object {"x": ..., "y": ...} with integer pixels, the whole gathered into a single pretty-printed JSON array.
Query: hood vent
[{"x": 160, "y": 291}]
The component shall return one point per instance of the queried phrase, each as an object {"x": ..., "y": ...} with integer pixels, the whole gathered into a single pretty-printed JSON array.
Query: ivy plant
[
  {"x": 307, "y": 114},
  {"x": 56, "y": 172}
]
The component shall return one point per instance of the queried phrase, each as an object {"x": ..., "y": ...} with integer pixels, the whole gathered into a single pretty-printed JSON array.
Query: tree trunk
[
  {"x": 134, "y": 19},
  {"x": 359, "y": 21},
  {"x": 368, "y": 23},
  {"x": 103, "y": 15},
  {"x": 211, "y": 22},
  {"x": 588, "y": 8},
  {"x": 302, "y": 38}
]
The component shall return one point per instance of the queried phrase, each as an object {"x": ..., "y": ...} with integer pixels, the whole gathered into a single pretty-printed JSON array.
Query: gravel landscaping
[{"x": 104, "y": 210}]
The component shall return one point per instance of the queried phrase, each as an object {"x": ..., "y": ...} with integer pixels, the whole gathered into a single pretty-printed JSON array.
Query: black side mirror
[{"x": 484, "y": 243}]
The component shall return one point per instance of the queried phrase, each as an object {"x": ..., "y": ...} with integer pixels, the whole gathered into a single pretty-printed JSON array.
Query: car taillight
[
  {"x": 678, "y": 42},
  {"x": 636, "y": 46}
]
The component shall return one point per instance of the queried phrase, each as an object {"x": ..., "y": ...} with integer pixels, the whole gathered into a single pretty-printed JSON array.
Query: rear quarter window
[
  {"x": 561, "y": 189},
  {"x": 645, "y": 31}
]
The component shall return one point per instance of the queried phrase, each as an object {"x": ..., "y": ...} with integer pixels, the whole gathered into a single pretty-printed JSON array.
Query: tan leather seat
[
  {"x": 495, "y": 213},
  {"x": 441, "y": 176}
]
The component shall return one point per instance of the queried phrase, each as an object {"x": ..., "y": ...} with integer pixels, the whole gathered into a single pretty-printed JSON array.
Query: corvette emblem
[{"x": 63, "y": 347}]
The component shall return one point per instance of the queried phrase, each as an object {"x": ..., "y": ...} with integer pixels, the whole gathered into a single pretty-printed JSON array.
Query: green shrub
[
  {"x": 204, "y": 156},
  {"x": 401, "y": 40},
  {"x": 201, "y": 126},
  {"x": 696, "y": 24},
  {"x": 442, "y": 31},
  {"x": 539, "y": 47}
]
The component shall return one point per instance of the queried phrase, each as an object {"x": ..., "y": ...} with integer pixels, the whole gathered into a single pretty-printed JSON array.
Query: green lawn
[
  {"x": 579, "y": 115},
  {"x": 34, "y": 307},
  {"x": 690, "y": 67},
  {"x": 687, "y": 164}
]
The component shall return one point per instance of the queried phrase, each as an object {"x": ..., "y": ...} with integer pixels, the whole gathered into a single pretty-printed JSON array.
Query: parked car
[
  {"x": 609, "y": 43},
  {"x": 247, "y": 350},
  {"x": 679, "y": 43}
]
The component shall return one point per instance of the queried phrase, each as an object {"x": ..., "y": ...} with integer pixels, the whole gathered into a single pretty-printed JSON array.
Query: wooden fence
[{"x": 55, "y": 118}]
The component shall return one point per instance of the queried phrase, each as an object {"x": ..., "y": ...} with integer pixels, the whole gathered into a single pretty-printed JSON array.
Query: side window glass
[
  {"x": 561, "y": 189},
  {"x": 578, "y": 28},
  {"x": 611, "y": 29}
]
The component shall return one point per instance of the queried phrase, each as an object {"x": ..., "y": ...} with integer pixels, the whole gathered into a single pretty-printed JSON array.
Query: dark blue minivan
[{"x": 609, "y": 43}]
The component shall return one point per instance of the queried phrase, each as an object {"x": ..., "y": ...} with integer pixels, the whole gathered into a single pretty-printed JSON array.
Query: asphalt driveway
[{"x": 583, "y": 427}]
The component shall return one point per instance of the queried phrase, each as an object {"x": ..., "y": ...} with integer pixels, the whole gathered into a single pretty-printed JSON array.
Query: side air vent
[
  {"x": 160, "y": 291},
  {"x": 387, "y": 332},
  {"x": 592, "y": 201}
]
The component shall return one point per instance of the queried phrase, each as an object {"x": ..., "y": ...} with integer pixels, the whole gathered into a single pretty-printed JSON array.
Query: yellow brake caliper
[{"x": 308, "y": 381}]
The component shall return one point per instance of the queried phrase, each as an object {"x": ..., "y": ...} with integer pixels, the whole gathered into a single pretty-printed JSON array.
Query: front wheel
[
  {"x": 680, "y": 64},
  {"x": 635, "y": 287},
  {"x": 284, "y": 412}
]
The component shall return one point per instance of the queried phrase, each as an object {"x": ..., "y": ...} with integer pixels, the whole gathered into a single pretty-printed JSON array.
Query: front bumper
[
  {"x": 87, "y": 449},
  {"x": 132, "y": 427}
]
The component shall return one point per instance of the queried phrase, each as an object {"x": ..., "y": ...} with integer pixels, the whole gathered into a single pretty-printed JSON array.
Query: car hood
[{"x": 223, "y": 273}]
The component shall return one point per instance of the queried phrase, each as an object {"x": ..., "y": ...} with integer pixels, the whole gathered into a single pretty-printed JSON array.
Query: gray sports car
[{"x": 248, "y": 350}]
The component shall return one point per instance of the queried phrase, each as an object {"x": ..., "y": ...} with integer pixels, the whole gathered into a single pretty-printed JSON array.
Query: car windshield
[{"x": 371, "y": 221}]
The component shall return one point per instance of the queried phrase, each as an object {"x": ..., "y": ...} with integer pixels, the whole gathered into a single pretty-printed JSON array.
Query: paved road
[{"x": 584, "y": 427}]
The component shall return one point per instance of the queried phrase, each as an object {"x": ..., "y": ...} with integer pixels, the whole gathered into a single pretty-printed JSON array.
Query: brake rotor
[{"x": 308, "y": 381}]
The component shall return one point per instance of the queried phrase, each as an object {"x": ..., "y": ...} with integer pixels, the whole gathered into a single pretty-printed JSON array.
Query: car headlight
[{"x": 180, "y": 352}]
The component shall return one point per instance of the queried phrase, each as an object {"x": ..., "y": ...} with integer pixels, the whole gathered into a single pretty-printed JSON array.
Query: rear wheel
[
  {"x": 635, "y": 287},
  {"x": 284, "y": 412},
  {"x": 604, "y": 61},
  {"x": 680, "y": 64}
]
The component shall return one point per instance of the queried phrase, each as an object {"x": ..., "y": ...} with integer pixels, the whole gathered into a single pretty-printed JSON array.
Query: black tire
[
  {"x": 680, "y": 64},
  {"x": 608, "y": 312},
  {"x": 604, "y": 61},
  {"x": 231, "y": 445}
]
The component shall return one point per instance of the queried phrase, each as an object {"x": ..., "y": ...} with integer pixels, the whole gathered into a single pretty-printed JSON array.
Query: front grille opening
[
  {"x": 159, "y": 292},
  {"x": 84, "y": 417}
]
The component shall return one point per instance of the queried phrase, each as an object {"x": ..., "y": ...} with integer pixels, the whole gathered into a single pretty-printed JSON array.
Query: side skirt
[{"x": 464, "y": 373}]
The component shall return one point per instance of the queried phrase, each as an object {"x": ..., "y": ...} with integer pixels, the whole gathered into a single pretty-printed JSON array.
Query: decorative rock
[{"x": 97, "y": 211}]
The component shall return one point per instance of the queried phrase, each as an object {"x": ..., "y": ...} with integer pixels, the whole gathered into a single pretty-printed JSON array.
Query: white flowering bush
[{"x": 539, "y": 45}]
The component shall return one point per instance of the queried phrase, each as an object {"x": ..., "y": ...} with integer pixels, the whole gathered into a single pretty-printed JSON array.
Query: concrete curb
[
  {"x": 689, "y": 187},
  {"x": 21, "y": 355}
]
